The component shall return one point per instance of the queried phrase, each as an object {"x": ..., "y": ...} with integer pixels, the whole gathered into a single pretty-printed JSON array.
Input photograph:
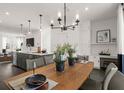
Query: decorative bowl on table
[
  {"x": 35, "y": 80},
  {"x": 44, "y": 51}
]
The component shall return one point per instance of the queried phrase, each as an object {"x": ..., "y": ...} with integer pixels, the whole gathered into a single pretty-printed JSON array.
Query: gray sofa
[{"x": 26, "y": 61}]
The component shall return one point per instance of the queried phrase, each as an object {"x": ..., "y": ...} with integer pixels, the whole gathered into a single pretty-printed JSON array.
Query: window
[{"x": 4, "y": 42}]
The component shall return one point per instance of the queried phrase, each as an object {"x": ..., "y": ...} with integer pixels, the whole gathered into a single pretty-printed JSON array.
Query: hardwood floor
[{"x": 6, "y": 71}]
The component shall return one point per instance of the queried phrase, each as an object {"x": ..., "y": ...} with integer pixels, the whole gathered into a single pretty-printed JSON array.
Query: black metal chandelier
[{"x": 64, "y": 26}]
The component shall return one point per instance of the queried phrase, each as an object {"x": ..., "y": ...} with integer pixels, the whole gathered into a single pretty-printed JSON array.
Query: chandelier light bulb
[
  {"x": 59, "y": 14},
  {"x": 61, "y": 25},
  {"x": 29, "y": 32},
  {"x": 40, "y": 29},
  {"x": 52, "y": 21},
  {"x": 77, "y": 16},
  {"x": 73, "y": 23}
]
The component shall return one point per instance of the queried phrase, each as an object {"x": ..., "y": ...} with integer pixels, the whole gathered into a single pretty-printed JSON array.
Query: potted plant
[
  {"x": 71, "y": 52},
  {"x": 60, "y": 58}
]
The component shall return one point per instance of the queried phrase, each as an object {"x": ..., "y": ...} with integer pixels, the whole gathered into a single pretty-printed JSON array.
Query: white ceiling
[{"x": 20, "y": 13}]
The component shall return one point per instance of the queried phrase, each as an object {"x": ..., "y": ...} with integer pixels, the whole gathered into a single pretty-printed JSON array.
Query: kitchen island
[{"x": 25, "y": 60}]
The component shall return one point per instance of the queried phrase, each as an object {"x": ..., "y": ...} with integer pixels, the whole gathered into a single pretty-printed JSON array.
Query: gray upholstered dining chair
[
  {"x": 48, "y": 59},
  {"x": 30, "y": 63},
  {"x": 95, "y": 85},
  {"x": 117, "y": 81},
  {"x": 99, "y": 74}
]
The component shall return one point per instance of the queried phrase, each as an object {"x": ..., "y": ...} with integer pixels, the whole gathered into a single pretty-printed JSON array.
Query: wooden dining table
[{"x": 70, "y": 79}]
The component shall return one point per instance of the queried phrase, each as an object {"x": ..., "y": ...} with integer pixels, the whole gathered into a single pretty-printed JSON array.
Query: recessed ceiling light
[
  {"x": 7, "y": 13},
  {"x": 86, "y": 8}
]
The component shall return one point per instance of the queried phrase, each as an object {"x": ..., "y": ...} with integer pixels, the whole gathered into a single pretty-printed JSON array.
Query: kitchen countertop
[{"x": 35, "y": 53}]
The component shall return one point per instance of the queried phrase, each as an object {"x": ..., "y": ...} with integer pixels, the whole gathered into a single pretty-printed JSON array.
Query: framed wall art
[{"x": 103, "y": 36}]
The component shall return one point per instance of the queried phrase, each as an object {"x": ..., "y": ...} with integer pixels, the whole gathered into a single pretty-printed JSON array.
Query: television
[
  {"x": 30, "y": 42},
  {"x": 4, "y": 51}
]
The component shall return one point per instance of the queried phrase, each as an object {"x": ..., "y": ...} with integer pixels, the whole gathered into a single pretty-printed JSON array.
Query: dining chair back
[
  {"x": 111, "y": 65},
  {"x": 108, "y": 77}
]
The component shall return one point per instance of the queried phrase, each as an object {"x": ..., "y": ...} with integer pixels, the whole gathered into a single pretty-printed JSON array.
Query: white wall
[
  {"x": 101, "y": 25},
  {"x": 84, "y": 38},
  {"x": 46, "y": 38}
]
